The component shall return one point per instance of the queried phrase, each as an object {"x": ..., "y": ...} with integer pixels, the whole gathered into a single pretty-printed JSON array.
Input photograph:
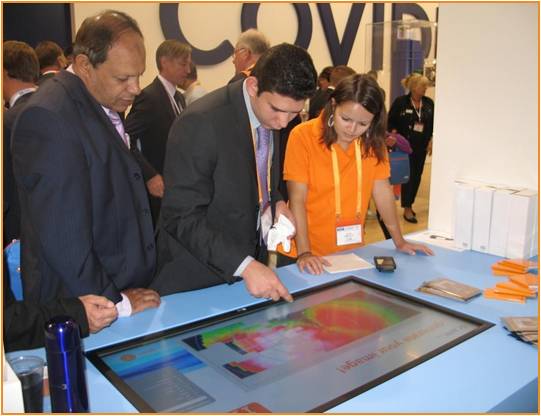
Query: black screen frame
[{"x": 142, "y": 406}]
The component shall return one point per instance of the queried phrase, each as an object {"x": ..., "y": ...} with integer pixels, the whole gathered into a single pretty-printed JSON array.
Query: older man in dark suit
[
  {"x": 86, "y": 226},
  {"x": 155, "y": 109},
  {"x": 222, "y": 173}
]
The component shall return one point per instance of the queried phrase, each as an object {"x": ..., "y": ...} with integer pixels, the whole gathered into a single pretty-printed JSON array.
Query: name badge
[
  {"x": 418, "y": 127},
  {"x": 409, "y": 111},
  {"x": 348, "y": 234}
]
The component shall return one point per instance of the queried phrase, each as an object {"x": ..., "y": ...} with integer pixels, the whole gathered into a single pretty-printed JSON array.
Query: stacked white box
[
  {"x": 499, "y": 223},
  {"x": 522, "y": 220},
  {"x": 464, "y": 202},
  {"x": 482, "y": 211}
]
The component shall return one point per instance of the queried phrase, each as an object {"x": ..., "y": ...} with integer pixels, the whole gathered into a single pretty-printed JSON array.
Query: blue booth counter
[{"x": 491, "y": 372}]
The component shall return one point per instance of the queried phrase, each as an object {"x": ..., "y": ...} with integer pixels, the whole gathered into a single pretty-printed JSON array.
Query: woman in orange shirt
[{"x": 334, "y": 164}]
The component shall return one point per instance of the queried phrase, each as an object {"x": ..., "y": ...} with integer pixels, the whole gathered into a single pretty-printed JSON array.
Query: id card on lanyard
[
  {"x": 348, "y": 231},
  {"x": 418, "y": 126}
]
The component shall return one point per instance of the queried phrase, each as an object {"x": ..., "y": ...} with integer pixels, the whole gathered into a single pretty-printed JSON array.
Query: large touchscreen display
[{"x": 327, "y": 346}]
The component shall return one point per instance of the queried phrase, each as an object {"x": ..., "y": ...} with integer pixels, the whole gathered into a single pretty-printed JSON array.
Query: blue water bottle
[{"x": 67, "y": 383}]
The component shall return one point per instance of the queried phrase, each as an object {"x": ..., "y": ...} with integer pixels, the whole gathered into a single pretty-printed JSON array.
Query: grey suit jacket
[
  {"x": 210, "y": 207},
  {"x": 86, "y": 225}
]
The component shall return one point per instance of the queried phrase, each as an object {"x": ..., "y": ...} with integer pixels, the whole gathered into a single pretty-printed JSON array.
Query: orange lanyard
[
  {"x": 336, "y": 177},
  {"x": 269, "y": 163}
]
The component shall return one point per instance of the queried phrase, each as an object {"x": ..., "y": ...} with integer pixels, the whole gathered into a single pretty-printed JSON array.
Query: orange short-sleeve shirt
[{"x": 309, "y": 161}]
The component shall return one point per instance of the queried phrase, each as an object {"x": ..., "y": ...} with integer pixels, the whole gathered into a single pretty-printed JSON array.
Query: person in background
[
  {"x": 412, "y": 116},
  {"x": 337, "y": 74},
  {"x": 154, "y": 110},
  {"x": 51, "y": 60},
  {"x": 19, "y": 75},
  {"x": 68, "y": 53},
  {"x": 250, "y": 46},
  {"x": 193, "y": 89},
  {"x": 85, "y": 221},
  {"x": 325, "y": 159},
  {"x": 321, "y": 95},
  {"x": 222, "y": 173}
]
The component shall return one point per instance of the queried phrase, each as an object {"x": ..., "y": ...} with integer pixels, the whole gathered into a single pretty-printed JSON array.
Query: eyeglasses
[{"x": 237, "y": 51}]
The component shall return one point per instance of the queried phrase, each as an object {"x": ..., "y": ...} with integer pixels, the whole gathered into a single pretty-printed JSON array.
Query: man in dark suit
[
  {"x": 20, "y": 71},
  {"x": 86, "y": 226},
  {"x": 155, "y": 109},
  {"x": 51, "y": 60},
  {"x": 221, "y": 171}
]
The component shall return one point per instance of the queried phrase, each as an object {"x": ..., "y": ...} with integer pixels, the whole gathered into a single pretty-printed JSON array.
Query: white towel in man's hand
[{"x": 279, "y": 233}]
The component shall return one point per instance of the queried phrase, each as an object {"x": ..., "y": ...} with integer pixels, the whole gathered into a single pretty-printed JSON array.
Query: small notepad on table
[{"x": 346, "y": 263}]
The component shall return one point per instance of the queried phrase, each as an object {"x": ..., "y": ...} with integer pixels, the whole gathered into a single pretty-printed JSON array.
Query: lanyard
[
  {"x": 420, "y": 108},
  {"x": 269, "y": 163},
  {"x": 336, "y": 177}
]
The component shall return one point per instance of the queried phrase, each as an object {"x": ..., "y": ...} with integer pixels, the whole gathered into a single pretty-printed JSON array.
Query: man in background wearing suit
[
  {"x": 19, "y": 75},
  {"x": 155, "y": 109},
  {"x": 86, "y": 225},
  {"x": 51, "y": 60},
  {"x": 250, "y": 46},
  {"x": 222, "y": 173}
]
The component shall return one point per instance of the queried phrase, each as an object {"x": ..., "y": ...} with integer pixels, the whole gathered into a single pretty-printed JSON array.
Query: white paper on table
[
  {"x": 435, "y": 238},
  {"x": 346, "y": 263}
]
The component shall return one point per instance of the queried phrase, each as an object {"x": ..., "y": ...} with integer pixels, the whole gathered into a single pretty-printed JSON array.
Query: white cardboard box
[
  {"x": 464, "y": 202},
  {"x": 523, "y": 210},
  {"x": 499, "y": 223},
  {"x": 482, "y": 215}
]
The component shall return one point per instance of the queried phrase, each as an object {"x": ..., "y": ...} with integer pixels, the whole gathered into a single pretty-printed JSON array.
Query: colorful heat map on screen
[{"x": 316, "y": 329}]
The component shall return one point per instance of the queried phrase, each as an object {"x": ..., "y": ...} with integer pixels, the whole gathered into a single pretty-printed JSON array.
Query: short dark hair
[
  {"x": 20, "y": 61},
  {"x": 48, "y": 53},
  {"x": 326, "y": 73},
  {"x": 172, "y": 48},
  {"x": 98, "y": 33},
  {"x": 339, "y": 72},
  {"x": 364, "y": 90},
  {"x": 287, "y": 70}
]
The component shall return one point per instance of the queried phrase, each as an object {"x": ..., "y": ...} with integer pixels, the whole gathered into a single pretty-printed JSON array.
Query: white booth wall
[
  {"x": 486, "y": 120},
  {"x": 487, "y": 114},
  {"x": 206, "y": 24}
]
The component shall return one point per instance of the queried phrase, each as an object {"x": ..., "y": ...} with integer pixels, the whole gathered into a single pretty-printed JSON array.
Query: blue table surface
[{"x": 489, "y": 372}]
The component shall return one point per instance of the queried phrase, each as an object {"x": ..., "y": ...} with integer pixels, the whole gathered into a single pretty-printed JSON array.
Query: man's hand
[
  {"x": 100, "y": 312},
  {"x": 283, "y": 209},
  {"x": 156, "y": 186},
  {"x": 262, "y": 282},
  {"x": 141, "y": 299}
]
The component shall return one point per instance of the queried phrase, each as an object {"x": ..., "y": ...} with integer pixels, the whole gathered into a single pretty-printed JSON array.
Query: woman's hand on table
[{"x": 307, "y": 262}]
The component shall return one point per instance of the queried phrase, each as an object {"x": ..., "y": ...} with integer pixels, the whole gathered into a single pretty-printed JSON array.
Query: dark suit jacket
[
  {"x": 44, "y": 77},
  {"x": 12, "y": 209},
  {"x": 86, "y": 225},
  {"x": 24, "y": 320},
  {"x": 208, "y": 223},
  {"x": 149, "y": 120}
]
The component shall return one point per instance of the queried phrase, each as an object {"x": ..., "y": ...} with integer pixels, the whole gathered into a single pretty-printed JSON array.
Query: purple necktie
[
  {"x": 119, "y": 126},
  {"x": 262, "y": 161}
]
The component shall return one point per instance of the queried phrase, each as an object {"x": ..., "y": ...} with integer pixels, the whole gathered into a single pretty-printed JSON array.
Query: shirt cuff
[
  {"x": 123, "y": 307},
  {"x": 243, "y": 266}
]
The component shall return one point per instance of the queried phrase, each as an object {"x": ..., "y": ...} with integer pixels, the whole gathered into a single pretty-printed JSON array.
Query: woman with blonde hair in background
[{"x": 412, "y": 116}]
